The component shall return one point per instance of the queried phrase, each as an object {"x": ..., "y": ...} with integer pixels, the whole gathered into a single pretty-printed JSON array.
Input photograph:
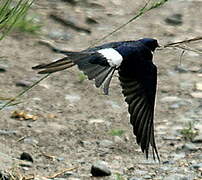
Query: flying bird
[{"x": 137, "y": 75}]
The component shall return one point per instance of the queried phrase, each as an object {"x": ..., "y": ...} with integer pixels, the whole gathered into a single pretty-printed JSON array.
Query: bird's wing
[
  {"x": 93, "y": 64},
  {"x": 140, "y": 95}
]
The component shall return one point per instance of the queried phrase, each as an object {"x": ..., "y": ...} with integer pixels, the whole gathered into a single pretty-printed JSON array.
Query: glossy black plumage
[{"x": 137, "y": 75}]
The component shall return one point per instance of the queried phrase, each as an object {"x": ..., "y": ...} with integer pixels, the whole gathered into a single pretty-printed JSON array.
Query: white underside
[{"x": 113, "y": 57}]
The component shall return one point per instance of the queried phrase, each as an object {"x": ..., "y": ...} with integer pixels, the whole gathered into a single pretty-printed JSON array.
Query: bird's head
[{"x": 152, "y": 44}]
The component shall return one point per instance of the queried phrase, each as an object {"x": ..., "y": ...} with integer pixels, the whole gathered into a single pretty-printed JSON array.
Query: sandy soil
[{"x": 74, "y": 119}]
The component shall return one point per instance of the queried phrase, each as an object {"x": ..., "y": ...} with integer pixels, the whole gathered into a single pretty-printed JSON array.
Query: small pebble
[
  {"x": 178, "y": 156},
  {"x": 55, "y": 34},
  {"x": 168, "y": 162},
  {"x": 60, "y": 158},
  {"x": 2, "y": 68},
  {"x": 170, "y": 99},
  {"x": 91, "y": 20},
  {"x": 194, "y": 69},
  {"x": 25, "y": 164},
  {"x": 196, "y": 166},
  {"x": 178, "y": 177},
  {"x": 72, "y": 97},
  {"x": 8, "y": 132},
  {"x": 118, "y": 139},
  {"x": 61, "y": 178},
  {"x": 197, "y": 139},
  {"x": 105, "y": 143},
  {"x": 135, "y": 178},
  {"x": 196, "y": 95},
  {"x": 181, "y": 69},
  {"x": 189, "y": 147},
  {"x": 26, "y": 157},
  {"x": 73, "y": 2},
  {"x": 113, "y": 104},
  {"x": 85, "y": 143},
  {"x": 99, "y": 169},
  {"x": 41, "y": 178},
  {"x": 96, "y": 121},
  {"x": 30, "y": 140},
  {"x": 174, "y": 19},
  {"x": 147, "y": 177},
  {"x": 199, "y": 86},
  {"x": 23, "y": 83}
]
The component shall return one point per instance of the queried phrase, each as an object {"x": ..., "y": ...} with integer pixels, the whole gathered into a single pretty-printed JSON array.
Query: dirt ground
[{"x": 75, "y": 120}]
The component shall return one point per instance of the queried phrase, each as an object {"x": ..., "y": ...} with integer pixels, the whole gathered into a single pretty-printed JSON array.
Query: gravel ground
[{"x": 68, "y": 125}]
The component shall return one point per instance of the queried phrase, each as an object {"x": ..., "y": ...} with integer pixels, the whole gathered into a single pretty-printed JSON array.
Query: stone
[
  {"x": 197, "y": 95},
  {"x": 113, "y": 104},
  {"x": 105, "y": 143},
  {"x": 175, "y": 106},
  {"x": 178, "y": 156},
  {"x": 30, "y": 140},
  {"x": 2, "y": 68},
  {"x": 60, "y": 158},
  {"x": 181, "y": 69},
  {"x": 96, "y": 121},
  {"x": 72, "y": 98},
  {"x": 140, "y": 172},
  {"x": 189, "y": 147},
  {"x": 118, "y": 139},
  {"x": 41, "y": 178},
  {"x": 100, "y": 168},
  {"x": 174, "y": 19},
  {"x": 8, "y": 132},
  {"x": 179, "y": 177},
  {"x": 55, "y": 34},
  {"x": 196, "y": 166},
  {"x": 197, "y": 139},
  {"x": 135, "y": 178},
  {"x": 73, "y": 2},
  {"x": 170, "y": 99},
  {"x": 147, "y": 177},
  {"x": 25, "y": 164},
  {"x": 194, "y": 69},
  {"x": 91, "y": 20},
  {"x": 23, "y": 83},
  {"x": 184, "y": 85},
  {"x": 199, "y": 86},
  {"x": 26, "y": 157},
  {"x": 168, "y": 162},
  {"x": 85, "y": 143}
]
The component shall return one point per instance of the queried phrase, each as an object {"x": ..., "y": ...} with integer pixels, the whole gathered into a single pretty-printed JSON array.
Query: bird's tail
[
  {"x": 101, "y": 74},
  {"x": 58, "y": 65}
]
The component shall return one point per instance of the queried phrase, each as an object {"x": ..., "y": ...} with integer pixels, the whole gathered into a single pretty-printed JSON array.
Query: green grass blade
[{"x": 11, "y": 17}]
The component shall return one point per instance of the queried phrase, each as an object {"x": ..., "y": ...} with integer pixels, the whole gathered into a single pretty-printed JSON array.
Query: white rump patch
[{"x": 113, "y": 57}]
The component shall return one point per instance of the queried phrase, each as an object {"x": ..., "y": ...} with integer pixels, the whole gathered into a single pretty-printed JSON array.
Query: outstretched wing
[
  {"x": 140, "y": 93},
  {"x": 93, "y": 64}
]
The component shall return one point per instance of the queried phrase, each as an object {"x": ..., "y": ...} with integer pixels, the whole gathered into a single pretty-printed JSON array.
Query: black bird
[{"x": 137, "y": 75}]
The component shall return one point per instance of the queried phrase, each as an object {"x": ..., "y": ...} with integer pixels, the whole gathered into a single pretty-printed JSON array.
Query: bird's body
[{"x": 137, "y": 74}]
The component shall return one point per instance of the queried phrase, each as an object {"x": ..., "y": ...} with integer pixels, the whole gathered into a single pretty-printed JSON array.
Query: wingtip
[
  {"x": 40, "y": 66},
  {"x": 37, "y": 66}
]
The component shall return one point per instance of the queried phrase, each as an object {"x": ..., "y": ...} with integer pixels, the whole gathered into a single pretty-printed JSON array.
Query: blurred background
[{"x": 64, "y": 124}]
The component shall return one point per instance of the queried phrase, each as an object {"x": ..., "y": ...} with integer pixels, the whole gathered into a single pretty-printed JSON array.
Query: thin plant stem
[
  {"x": 142, "y": 11},
  {"x": 23, "y": 92}
]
